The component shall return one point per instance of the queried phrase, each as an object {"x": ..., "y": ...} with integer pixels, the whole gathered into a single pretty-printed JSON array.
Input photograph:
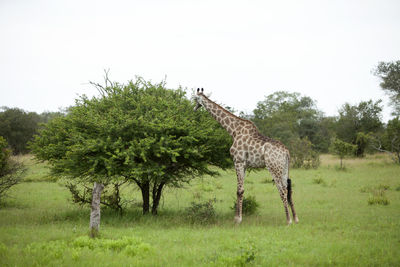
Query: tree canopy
[
  {"x": 141, "y": 132},
  {"x": 364, "y": 117},
  {"x": 287, "y": 116},
  {"x": 389, "y": 72}
]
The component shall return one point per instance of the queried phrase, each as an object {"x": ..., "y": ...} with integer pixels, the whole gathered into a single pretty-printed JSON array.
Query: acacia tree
[
  {"x": 356, "y": 121},
  {"x": 17, "y": 127},
  {"x": 389, "y": 72},
  {"x": 139, "y": 132},
  {"x": 342, "y": 149},
  {"x": 10, "y": 170},
  {"x": 389, "y": 141}
]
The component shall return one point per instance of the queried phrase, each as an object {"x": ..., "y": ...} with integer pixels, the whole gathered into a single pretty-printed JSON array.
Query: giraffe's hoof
[
  {"x": 296, "y": 220},
  {"x": 238, "y": 220},
  {"x": 289, "y": 222}
]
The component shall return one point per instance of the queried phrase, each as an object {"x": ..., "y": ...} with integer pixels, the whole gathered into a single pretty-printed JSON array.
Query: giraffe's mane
[
  {"x": 227, "y": 111},
  {"x": 257, "y": 133}
]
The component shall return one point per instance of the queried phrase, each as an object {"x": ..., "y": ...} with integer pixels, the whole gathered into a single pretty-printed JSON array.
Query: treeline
[
  {"x": 291, "y": 118},
  {"x": 18, "y": 126}
]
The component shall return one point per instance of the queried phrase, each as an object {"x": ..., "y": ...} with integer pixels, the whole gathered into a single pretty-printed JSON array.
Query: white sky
[{"x": 240, "y": 51}]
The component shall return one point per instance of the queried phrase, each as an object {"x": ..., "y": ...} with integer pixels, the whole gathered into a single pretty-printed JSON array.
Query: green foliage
[
  {"x": 302, "y": 155},
  {"x": 288, "y": 116},
  {"x": 249, "y": 205},
  {"x": 378, "y": 197},
  {"x": 18, "y": 126},
  {"x": 377, "y": 194},
  {"x": 389, "y": 140},
  {"x": 142, "y": 132},
  {"x": 57, "y": 252},
  {"x": 246, "y": 255},
  {"x": 319, "y": 180},
  {"x": 111, "y": 196},
  {"x": 201, "y": 212},
  {"x": 4, "y": 156},
  {"x": 392, "y": 138},
  {"x": 389, "y": 72},
  {"x": 342, "y": 149},
  {"x": 10, "y": 170},
  {"x": 356, "y": 121}
]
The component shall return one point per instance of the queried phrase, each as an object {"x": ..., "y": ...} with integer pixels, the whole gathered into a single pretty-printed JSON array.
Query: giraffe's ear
[{"x": 202, "y": 90}]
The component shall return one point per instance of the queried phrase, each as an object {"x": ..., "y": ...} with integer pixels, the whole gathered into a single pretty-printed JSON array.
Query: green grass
[{"x": 39, "y": 226}]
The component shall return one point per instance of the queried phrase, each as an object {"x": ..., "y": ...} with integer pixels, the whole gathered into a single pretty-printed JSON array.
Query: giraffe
[{"x": 251, "y": 149}]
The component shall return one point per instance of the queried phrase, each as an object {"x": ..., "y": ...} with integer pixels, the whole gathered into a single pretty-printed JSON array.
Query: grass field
[{"x": 349, "y": 218}]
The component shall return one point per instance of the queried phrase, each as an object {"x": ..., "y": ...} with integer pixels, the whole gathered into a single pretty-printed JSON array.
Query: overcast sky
[{"x": 239, "y": 51}]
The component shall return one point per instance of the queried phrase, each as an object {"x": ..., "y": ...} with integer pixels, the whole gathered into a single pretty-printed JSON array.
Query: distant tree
[
  {"x": 284, "y": 116},
  {"x": 389, "y": 72},
  {"x": 47, "y": 116},
  {"x": 302, "y": 155},
  {"x": 140, "y": 132},
  {"x": 389, "y": 141},
  {"x": 10, "y": 170},
  {"x": 358, "y": 120},
  {"x": 342, "y": 149},
  {"x": 296, "y": 121},
  {"x": 18, "y": 127}
]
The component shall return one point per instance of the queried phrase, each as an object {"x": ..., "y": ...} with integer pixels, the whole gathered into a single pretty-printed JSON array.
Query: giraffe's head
[{"x": 198, "y": 98}]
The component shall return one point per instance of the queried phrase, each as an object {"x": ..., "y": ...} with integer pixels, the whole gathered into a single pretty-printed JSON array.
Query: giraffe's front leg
[{"x": 240, "y": 173}]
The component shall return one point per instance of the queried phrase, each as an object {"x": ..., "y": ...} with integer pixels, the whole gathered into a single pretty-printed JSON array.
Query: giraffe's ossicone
[{"x": 251, "y": 149}]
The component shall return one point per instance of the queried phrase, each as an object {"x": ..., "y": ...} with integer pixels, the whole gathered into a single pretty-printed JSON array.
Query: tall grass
[{"x": 337, "y": 225}]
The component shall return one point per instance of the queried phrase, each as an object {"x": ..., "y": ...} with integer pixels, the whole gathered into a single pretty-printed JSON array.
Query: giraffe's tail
[{"x": 289, "y": 182}]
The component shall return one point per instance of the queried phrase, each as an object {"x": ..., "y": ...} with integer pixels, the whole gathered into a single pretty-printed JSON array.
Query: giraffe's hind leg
[
  {"x": 282, "y": 187},
  {"x": 283, "y": 192}
]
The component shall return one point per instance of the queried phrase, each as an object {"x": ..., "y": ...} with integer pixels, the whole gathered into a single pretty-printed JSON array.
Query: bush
[
  {"x": 249, "y": 205},
  {"x": 246, "y": 255},
  {"x": 10, "y": 170},
  {"x": 378, "y": 196},
  {"x": 302, "y": 155},
  {"x": 202, "y": 213},
  {"x": 319, "y": 180}
]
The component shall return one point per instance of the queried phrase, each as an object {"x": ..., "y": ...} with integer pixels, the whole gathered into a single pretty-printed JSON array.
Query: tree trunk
[
  {"x": 95, "y": 212},
  {"x": 157, "y": 192},
  {"x": 145, "y": 188}
]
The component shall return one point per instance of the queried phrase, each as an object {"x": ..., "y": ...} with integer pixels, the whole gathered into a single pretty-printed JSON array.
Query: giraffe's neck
[{"x": 228, "y": 121}]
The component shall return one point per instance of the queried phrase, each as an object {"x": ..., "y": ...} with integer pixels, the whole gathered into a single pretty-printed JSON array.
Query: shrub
[
  {"x": 319, "y": 180},
  {"x": 249, "y": 205},
  {"x": 202, "y": 213},
  {"x": 302, "y": 155},
  {"x": 10, "y": 170},
  {"x": 378, "y": 196},
  {"x": 246, "y": 255},
  {"x": 342, "y": 149}
]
